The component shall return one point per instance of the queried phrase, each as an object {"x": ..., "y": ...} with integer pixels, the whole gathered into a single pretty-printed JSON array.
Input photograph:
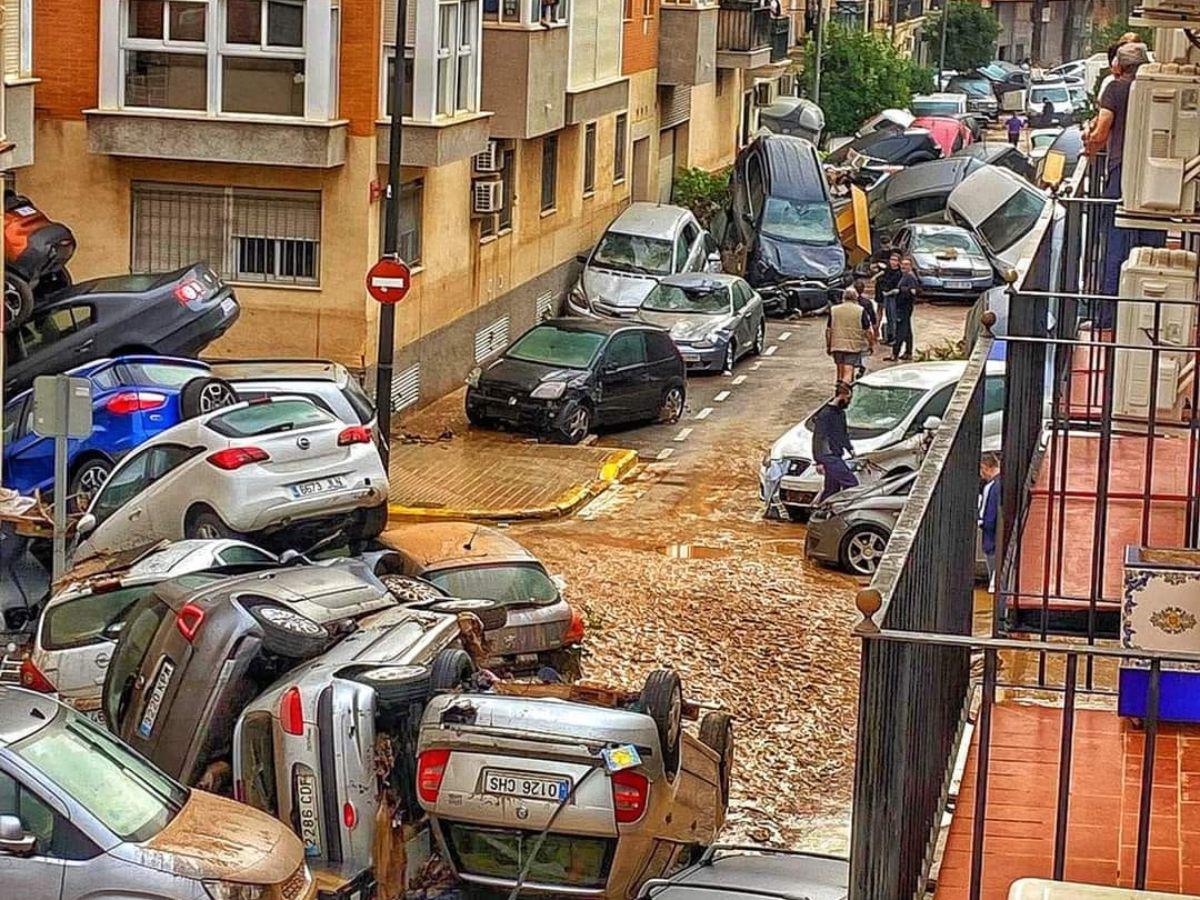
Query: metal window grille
[
  {"x": 549, "y": 172},
  {"x": 589, "y": 158},
  {"x": 491, "y": 338},
  {"x": 272, "y": 237},
  {"x": 406, "y": 387}
]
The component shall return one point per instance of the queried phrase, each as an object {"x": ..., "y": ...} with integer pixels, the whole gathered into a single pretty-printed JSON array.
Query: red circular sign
[{"x": 388, "y": 280}]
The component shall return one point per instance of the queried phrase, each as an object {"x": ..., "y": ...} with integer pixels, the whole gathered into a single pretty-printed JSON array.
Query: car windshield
[
  {"x": 258, "y": 763},
  {"x": 877, "y": 409},
  {"x": 978, "y": 87},
  {"x": 1042, "y": 140},
  {"x": 268, "y": 417},
  {"x": 633, "y": 253},
  {"x": 707, "y": 299},
  {"x": 551, "y": 345},
  {"x": 938, "y": 241},
  {"x": 1012, "y": 220},
  {"x": 1054, "y": 95},
  {"x": 84, "y": 619},
  {"x": 798, "y": 220},
  {"x": 139, "y": 631},
  {"x": 922, "y": 108},
  {"x": 128, "y": 795},
  {"x": 505, "y": 583}
]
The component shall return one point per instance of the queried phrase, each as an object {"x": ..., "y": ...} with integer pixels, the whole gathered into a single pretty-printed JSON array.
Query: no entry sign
[{"x": 388, "y": 280}]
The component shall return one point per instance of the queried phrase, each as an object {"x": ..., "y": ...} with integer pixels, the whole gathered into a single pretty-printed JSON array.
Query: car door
[
  {"x": 58, "y": 339},
  {"x": 935, "y": 406},
  {"x": 623, "y": 377},
  {"x": 120, "y": 508},
  {"x": 172, "y": 491},
  {"x": 694, "y": 239},
  {"x": 993, "y": 411},
  {"x": 743, "y": 329},
  {"x": 28, "y": 457},
  {"x": 665, "y": 369},
  {"x": 40, "y": 872}
]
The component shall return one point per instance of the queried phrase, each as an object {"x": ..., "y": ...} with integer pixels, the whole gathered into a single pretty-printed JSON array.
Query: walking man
[
  {"x": 989, "y": 511},
  {"x": 885, "y": 290},
  {"x": 871, "y": 338},
  {"x": 848, "y": 331},
  {"x": 1014, "y": 125},
  {"x": 906, "y": 298},
  {"x": 831, "y": 442}
]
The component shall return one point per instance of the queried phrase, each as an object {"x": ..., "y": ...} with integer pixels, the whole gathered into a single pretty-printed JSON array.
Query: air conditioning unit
[
  {"x": 487, "y": 162},
  {"x": 1156, "y": 274},
  {"x": 487, "y": 196},
  {"x": 1162, "y": 141},
  {"x": 764, "y": 93}
]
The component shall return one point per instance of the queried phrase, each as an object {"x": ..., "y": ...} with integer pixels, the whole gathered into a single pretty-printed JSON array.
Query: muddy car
[
  {"x": 537, "y": 791},
  {"x": 331, "y": 747},
  {"x": 528, "y": 622},
  {"x": 730, "y": 872},
  {"x": 199, "y": 648},
  {"x": 81, "y": 815}
]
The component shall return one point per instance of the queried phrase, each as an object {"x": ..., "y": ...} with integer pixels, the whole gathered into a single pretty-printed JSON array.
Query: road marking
[
  {"x": 785, "y": 335},
  {"x": 683, "y": 434},
  {"x": 665, "y": 453},
  {"x": 770, "y": 351},
  {"x": 742, "y": 378},
  {"x": 704, "y": 413},
  {"x": 754, "y": 367},
  {"x": 721, "y": 397}
]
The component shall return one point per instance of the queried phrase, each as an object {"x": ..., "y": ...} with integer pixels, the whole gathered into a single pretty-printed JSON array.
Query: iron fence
[{"x": 743, "y": 26}]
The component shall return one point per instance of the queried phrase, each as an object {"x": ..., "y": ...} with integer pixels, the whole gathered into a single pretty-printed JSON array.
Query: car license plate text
[
  {"x": 689, "y": 356},
  {"x": 528, "y": 787},
  {"x": 958, "y": 285},
  {"x": 165, "y": 671},
  {"x": 306, "y": 804},
  {"x": 319, "y": 486}
]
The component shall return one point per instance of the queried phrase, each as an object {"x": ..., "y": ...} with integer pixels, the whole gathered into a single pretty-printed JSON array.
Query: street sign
[
  {"x": 388, "y": 280},
  {"x": 62, "y": 410}
]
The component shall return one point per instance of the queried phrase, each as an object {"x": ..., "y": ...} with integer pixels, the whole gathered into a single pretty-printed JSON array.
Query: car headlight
[
  {"x": 981, "y": 273},
  {"x": 225, "y": 890},
  {"x": 579, "y": 297},
  {"x": 549, "y": 390},
  {"x": 473, "y": 377}
]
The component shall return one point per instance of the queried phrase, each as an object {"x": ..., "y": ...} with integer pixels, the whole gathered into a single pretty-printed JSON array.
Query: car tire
[
  {"x": 206, "y": 525},
  {"x": 287, "y": 633},
  {"x": 86, "y": 479},
  {"x": 452, "y": 670},
  {"x": 410, "y": 590},
  {"x": 760, "y": 339},
  {"x": 731, "y": 356},
  {"x": 476, "y": 417},
  {"x": 372, "y": 521},
  {"x": 204, "y": 395},
  {"x": 716, "y": 733},
  {"x": 576, "y": 426},
  {"x": 18, "y": 302},
  {"x": 490, "y": 613},
  {"x": 670, "y": 409},
  {"x": 862, "y": 547},
  {"x": 662, "y": 701},
  {"x": 396, "y": 684}
]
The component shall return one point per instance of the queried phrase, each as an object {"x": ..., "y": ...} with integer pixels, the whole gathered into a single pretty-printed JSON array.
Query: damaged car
[{"x": 714, "y": 320}]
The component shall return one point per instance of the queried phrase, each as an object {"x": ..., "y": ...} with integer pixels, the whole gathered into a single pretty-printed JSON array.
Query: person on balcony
[
  {"x": 831, "y": 443},
  {"x": 989, "y": 511}
]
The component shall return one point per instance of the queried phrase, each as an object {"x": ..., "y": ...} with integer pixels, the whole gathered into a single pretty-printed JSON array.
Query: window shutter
[
  {"x": 391, "y": 9},
  {"x": 675, "y": 105},
  {"x": 277, "y": 215},
  {"x": 12, "y": 38}
]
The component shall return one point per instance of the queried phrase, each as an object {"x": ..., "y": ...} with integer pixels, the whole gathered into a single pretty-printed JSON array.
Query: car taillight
[
  {"x": 575, "y": 630},
  {"x": 355, "y": 434},
  {"x": 349, "y": 815},
  {"x": 189, "y": 620},
  {"x": 32, "y": 678},
  {"x": 190, "y": 290},
  {"x": 631, "y": 791},
  {"x": 127, "y": 402},
  {"x": 431, "y": 769},
  {"x": 291, "y": 713},
  {"x": 235, "y": 457}
]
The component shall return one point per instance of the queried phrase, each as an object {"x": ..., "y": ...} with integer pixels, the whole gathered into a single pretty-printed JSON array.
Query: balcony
[
  {"x": 687, "y": 44},
  {"x": 781, "y": 38},
  {"x": 444, "y": 140},
  {"x": 525, "y": 78},
  {"x": 743, "y": 34}
]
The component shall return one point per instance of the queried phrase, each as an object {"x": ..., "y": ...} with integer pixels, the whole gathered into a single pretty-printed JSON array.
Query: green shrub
[{"x": 702, "y": 192}]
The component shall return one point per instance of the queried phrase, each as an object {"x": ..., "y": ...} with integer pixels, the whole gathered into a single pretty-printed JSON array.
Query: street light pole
[
  {"x": 820, "y": 51},
  {"x": 385, "y": 353},
  {"x": 942, "y": 52}
]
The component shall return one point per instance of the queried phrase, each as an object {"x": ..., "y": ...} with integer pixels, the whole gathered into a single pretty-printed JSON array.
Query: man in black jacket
[
  {"x": 831, "y": 442},
  {"x": 886, "y": 285}
]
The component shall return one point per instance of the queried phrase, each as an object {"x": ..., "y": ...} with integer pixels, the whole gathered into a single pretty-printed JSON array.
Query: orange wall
[
  {"x": 66, "y": 56},
  {"x": 640, "y": 50},
  {"x": 360, "y": 60}
]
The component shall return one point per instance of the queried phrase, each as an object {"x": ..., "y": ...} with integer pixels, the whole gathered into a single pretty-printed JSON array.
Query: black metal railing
[
  {"x": 743, "y": 25},
  {"x": 781, "y": 33}
]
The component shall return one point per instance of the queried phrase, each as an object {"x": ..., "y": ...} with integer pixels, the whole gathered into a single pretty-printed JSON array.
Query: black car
[
  {"x": 563, "y": 377},
  {"x": 728, "y": 872},
  {"x": 867, "y": 155},
  {"x": 998, "y": 153},
  {"x": 916, "y": 194},
  {"x": 174, "y": 314},
  {"x": 1005, "y": 77},
  {"x": 782, "y": 215}
]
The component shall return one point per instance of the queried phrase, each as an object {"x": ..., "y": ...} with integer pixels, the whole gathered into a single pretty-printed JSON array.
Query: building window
[
  {"x": 498, "y": 223},
  {"x": 628, "y": 10},
  {"x": 647, "y": 8},
  {"x": 620, "y": 141},
  {"x": 222, "y": 56},
  {"x": 249, "y": 235},
  {"x": 549, "y": 172},
  {"x": 589, "y": 159},
  {"x": 390, "y": 73},
  {"x": 451, "y": 85},
  {"x": 412, "y": 210}
]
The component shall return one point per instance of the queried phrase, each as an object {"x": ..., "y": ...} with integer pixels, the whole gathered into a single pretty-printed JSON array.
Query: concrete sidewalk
[{"x": 441, "y": 468}]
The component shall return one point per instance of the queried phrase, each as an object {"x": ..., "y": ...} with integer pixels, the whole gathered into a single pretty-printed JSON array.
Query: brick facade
[
  {"x": 66, "y": 53},
  {"x": 640, "y": 49},
  {"x": 359, "y": 81}
]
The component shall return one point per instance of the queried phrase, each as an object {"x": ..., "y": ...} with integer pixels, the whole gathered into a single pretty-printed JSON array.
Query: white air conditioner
[
  {"x": 1162, "y": 141},
  {"x": 487, "y": 196},
  {"x": 1156, "y": 274},
  {"x": 487, "y": 162},
  {"x": 764, "y": 93}
]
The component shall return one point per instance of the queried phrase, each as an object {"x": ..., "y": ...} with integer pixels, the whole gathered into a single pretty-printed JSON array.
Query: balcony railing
[
  {"x": 781, "y": 34},
  {"x": 743, "y": 26}
]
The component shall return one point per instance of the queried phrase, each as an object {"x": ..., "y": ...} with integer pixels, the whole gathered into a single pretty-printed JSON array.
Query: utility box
[{"x": 1162, "y": 141}]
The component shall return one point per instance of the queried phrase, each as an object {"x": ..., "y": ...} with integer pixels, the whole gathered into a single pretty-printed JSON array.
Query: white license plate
[
  {"x": 306, "y": 805},
  {"x": 165, "y": 671},
  {"x": 228, "y": 305},
  {"x": 527, "y": 787},
  {"x": 319, "y": 486},
  {"x": 958, "y": 285},
  {"x": 690, "y": 357}
]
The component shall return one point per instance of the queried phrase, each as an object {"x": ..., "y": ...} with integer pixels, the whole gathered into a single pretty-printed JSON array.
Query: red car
[{"x": 948, "y": 133}]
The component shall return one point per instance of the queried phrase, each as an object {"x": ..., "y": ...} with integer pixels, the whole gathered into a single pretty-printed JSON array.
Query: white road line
[
  {"x": 785, "y": 335},
  {"x": 770, "y": 351},
  {"x": 704, "y": 413},
  {"x": 741, "y": 378},
  {"x": 665, "y": 453},
  {"x": 683, "y": 434},
  {"x": 721, "y": 397},
  {"x": 754, "y": 367}
]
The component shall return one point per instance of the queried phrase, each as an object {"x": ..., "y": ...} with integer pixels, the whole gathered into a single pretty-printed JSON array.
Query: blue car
[{"x": 133, "y": 399}]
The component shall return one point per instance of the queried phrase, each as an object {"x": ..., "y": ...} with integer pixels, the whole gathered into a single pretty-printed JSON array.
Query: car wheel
[
  {"x": 287, "y": 633},
  {"x": 671, "y": 408},
  {"x": 760, "y": 339},
  {"x": 490, "y": 613},
  {"x": 576, "y": 425},
  {"x": 204, "y": 395},
  {"x": 206, "y": 525},
  {"x": 452, "y": 670},
  {"x": 716, "y": 733},
  {"x": 662, "y": 700},
  {"x": 862, "y": 549},
  {"x": 409, "y": 590},
  {"x": 18, "y": 302},
  {"x": 88, "y": 477},
  {"x": 476, "y": 417},
  {"x": 396, "y": 684},
  {"x": 730, "y": 356}
]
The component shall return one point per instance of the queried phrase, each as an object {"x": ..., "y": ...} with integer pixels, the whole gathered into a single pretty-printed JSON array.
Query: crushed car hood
[
  {"x": 624, "y": 289},
  {"x": 688, "y": 326},
  {"x": 794, "y": 260}
]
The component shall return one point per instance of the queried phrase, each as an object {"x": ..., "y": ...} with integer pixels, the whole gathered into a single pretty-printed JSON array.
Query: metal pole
[
  {"x": 820, "y": 51},
  {"x": 892, "y": 24},
  {"x": 942, "y": 52},
  {"x": 385, "y": 353},
  {"x": 59, "y": 563}
]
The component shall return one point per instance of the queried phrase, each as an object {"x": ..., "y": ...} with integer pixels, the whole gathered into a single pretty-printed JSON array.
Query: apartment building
[
  {"x": 16, "y": 92},
  {"x": 253, "y": 134}
]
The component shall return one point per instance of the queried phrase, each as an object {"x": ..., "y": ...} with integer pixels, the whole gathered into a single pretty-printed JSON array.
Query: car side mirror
[
  {"x": 13, "y": 839},
  {"x": 113, "y": 630},
  {"x": 933, "y": 423},
  {"x": 86, "y": 525}
]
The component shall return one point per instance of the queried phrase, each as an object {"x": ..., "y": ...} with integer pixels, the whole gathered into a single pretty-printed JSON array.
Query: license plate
[
  {"x": 165, "y": 671},
  {"x": 306, "y": 805},
  {"x": 228, "y": 305},
  {"x": 319, "y": 486},
  {"x": 958, "y": 285},
  {"x": 691, "y": 357},
  {"x": 527, "y": 787}
]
